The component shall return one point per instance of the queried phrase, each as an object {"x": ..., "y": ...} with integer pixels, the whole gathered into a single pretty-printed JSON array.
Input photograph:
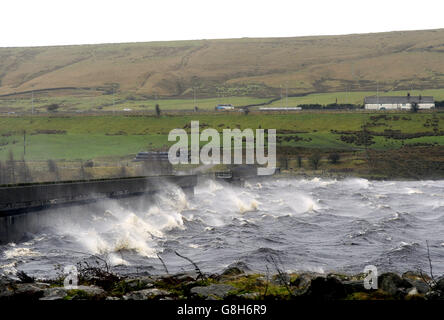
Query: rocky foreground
[{"x": 235, "y": 283}]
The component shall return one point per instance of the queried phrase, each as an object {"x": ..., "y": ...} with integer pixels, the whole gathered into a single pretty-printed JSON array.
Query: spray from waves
[
  {"x": 208, "y": 187},
  {"x": 357, "y": 183},
  {"x": 302, "y": 203},
  {"x": 413, "y": 191},
  {"x": 405, "y": 246},
  {"x": 243, "y": 201},
  {"x": 202, "y": 168},
  {"x": 9, "y": 268},
  {"x": 234, "y": 199},
  {"x": 19, "y": 252},
  {"x": 322, "y": 182},
  {"x": 210, "y": 227},
  {"x": 13, "y": 255},
  {"x": 291, "y": 200},
  {"x": 119, "y": 229}
]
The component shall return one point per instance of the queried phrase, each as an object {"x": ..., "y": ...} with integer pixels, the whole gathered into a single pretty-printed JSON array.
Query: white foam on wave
[
  {"x": 119, "y": 229},
  {"x": 19, "y": 252},
  {"x": 413, "y": 191},
  {"x": 302, "y": 203},
  {"x": 357, "y": 183},
  {"x": 9, "y": 268}
]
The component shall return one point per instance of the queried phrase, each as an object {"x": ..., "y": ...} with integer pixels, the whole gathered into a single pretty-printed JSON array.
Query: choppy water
[{"x": 317, "y": 225}]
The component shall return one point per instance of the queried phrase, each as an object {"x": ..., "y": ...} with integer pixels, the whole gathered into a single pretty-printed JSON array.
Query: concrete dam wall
[
  {"x": 22, "y": 206},
  {"x": 23, "y": 198}
]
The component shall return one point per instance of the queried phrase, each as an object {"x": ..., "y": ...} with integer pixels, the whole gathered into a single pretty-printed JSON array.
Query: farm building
[
  {"x": 398, "y": 102},
  {"x": 154, "y": 163}
]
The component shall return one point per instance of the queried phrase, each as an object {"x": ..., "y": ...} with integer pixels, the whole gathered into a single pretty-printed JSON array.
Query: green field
[
  {"x": 105, "y": 137},
  {"x": 89, "y": 102},
  {"x": 110, "y": 103},
  {"x": 356, "y": 98}
]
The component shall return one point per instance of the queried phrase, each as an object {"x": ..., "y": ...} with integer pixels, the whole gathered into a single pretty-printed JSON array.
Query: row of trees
[
  {"x": 314, "y": 160},
  {"x": 12, "y": 171},
  {"x": 17, "y": 171}
]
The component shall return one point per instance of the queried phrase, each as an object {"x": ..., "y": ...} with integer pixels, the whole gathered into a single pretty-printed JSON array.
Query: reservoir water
[{"x": 308, "y": 224}]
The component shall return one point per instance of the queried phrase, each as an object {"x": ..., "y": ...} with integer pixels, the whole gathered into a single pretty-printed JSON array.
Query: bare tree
[
  {"x": 84, "y": 174},
  {"x": 122, "y": 172},
  {"x": 53, "y": 168},
  {"x": 299, "y": 162},
  {"x": 3, "y": 174},
  {"x": 334, "y": 157},
  {"x": 11, "y": 167},
  {"x": 315, "y": 158},
  {"x": 24, "y": 173}
]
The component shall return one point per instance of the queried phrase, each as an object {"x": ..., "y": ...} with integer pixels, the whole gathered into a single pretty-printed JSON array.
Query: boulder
[
  {"x": 236, "y": 268},
  {"x": 439, "y": 285},
  {"x": 213, "y": 291},
  {"x": 421, "y": 286},
  {"x": 325, "y": 288},
  {"x": 80, "y": 293},
  {"x": 418, "y": 281},
  {"x": 250, "y": 296},
  {"x": 146, "y": 294},
  {"x": 57, "y": 293},
  {"x": 180, "y": 277},
  {"x": 302, "y": 281},
  {"x": 393, "y": 284},
  {"x": 353, "y": 286},
  {"x": 434, "y": 295},
  {"x": 139, "y": 283},
  {"x": 6, "y": 287},
  {"x": 25, "y": 291}
]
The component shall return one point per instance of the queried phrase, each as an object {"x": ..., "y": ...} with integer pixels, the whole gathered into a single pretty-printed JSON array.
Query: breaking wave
[{"x": 310, "y": 224}]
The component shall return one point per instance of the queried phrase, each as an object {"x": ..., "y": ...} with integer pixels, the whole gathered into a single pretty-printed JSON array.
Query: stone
[
  {"x": 411, "y": 275},
  {"x": 303, "y": 280},
  {"x": 353, "y": 286},
  {"x": 146, "y": 294},
  {"x": 250, "y": 295},
  {"x": 236, "y": 268},
  {"x": 421, "y": 286},
  {"x": 213, "y": 291},
  {"x": 439, "y": 285},
  {"x": 325, "y": 288},
  {"x": 280, "y": 279},
  {"x": 6, "y": 287},
  {"x": 57, "y": 293},
  {"x": 60, "y": 293},
  {"x": 434, "y": 295},
  {"x": 139, "y": 283},
  {"x": 412, "y": 292},
  {"x": 28, "y": 291},
  {"x": 393, "y": 284}
]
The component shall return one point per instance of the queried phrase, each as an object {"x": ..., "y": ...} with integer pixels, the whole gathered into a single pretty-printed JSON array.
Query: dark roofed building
[
  {"x": 154, "y": 163},
  {"x": 398, "y": 102}
]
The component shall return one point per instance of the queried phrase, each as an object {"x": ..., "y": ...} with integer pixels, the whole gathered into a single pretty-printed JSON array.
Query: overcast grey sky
[{"x": 57, "y": 22}]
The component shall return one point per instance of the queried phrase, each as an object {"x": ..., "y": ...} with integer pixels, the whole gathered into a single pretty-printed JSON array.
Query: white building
[{"x": 398, "y": 102}]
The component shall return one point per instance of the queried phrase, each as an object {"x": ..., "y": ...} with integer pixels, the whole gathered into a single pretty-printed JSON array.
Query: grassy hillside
[
  {"x": 92, "y": 137},
  {"x": 225, "y": 68}
]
